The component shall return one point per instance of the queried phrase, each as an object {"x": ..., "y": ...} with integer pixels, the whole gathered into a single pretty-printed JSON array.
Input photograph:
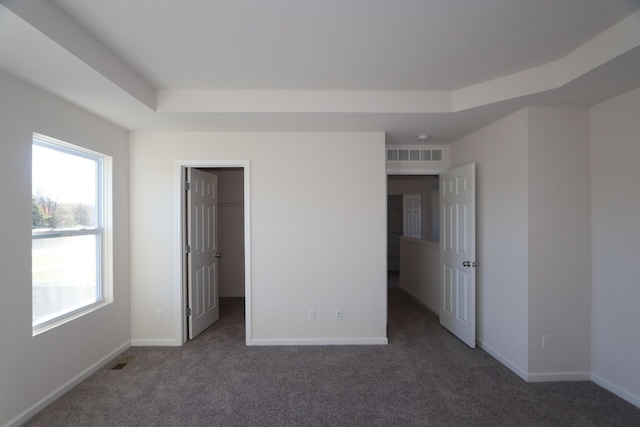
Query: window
[{"x": 71, "y": 251}]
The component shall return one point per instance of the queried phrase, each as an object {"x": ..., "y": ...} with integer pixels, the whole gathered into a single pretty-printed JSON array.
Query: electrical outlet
[
  {"x": 338, "y": 314},
  {"x": 546, "y": 341},
  {"x": 160, "y": 315},
  {"x": 311, "y": 314}
]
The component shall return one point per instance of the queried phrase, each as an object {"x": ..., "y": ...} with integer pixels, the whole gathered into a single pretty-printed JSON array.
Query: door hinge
[
  {"x": 187, "y": 186},
  {"x": 188, "y": 311},
  {"x": 187, "y": 249}
]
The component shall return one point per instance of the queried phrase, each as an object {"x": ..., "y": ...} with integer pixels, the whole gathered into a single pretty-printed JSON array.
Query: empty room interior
[{"x": 304, "y": 157}]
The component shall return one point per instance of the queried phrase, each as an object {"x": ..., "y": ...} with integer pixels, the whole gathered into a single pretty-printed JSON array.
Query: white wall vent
[{"x": 414, "y": 155}]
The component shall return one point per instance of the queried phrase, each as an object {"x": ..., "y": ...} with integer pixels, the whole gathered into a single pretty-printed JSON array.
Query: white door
[
  {"x": 458, "y": 252},
  {"x": 202, "y": 250},
  {"x": 412, "y": 215}
]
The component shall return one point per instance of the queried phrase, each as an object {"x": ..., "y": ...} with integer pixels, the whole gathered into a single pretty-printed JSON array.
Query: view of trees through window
[
  {"x": 66, "y": 254},
  {"x": 63, "y": 192},
  {"x": 49, "y": 213}
]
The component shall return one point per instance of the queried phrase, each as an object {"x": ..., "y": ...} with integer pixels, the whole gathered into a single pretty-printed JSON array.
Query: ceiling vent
[{"x": 414, "y": 155}]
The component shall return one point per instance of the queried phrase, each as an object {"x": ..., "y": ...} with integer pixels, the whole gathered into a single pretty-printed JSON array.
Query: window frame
[{"x": 102, "y": 230}]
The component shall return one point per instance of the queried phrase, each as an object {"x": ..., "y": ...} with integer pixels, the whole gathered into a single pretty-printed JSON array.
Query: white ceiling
[{"x": 446, "y": 67}]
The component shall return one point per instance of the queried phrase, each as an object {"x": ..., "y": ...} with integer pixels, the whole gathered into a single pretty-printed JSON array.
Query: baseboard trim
[
  {"x": 536, "y": 377},
  {"x": 155, "y": 343},
  {"x": 51, "y": 397},
  {"x": 320, "y": 341},
  {"x": 623, "y": 394},
  {"x": 430, "y": 307},
  {"x": 558, "y": 376},
  {"x": 506, "y": 362}
]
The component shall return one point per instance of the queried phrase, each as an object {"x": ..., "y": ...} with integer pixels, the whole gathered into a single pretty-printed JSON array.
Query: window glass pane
[
  {"x": 414, "y": 155},
  {"x": 67, "y": 237},
  {"x": 436, "y": 155},
  {"x": 426, "y": 155},
  {"x": 392, "y": 155},
  {"x": 63, "y": 190},
  {"x": 64, "y": 275},
  {"x": 403, "y": 155}
]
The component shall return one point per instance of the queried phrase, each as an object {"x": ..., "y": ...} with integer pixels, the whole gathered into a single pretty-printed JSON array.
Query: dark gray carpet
[{"x": 424, "y": 377}]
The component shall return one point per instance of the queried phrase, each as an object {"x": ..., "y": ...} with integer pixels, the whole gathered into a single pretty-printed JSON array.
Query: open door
[
  {"x": 202, "y": 250},
  {"x": 458, "y": 252}
]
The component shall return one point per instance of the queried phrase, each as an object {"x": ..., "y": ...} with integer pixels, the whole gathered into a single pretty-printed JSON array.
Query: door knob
[
  {"x": 466, "y": 264},
  {"x": 217, "y": 255}
]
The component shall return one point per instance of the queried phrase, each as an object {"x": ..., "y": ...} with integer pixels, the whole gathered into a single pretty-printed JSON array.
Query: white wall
[
  {"x": 420, "y": 271},
  {"x": 500, "y": 153},
  {"x": 559, "y": 243},
  {"x": 557, "y": 238},
  {"x": 615, "y": 228},
  {"x": 231, "y": 232},
  {"x": 33, "y": 368},
  {"x": 318, "y": 232}
]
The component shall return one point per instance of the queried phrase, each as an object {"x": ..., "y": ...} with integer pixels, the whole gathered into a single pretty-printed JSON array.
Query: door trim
[{"x": 180, "y": 297}]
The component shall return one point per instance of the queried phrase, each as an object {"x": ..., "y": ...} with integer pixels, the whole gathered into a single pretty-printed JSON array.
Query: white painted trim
[
  {"x": 180, "y": 292},
  {"x": 143, "y": 342},
  {"x": 536, "y": 377},
  {"x": 247, "y": 252},
  {"x": 395, "y": 171},
  {"x": 428, "y": 306},
  {"x": 180, "y": 296},
  {"x": 506, "y": 362},
  {"x": 623, "y": 394},
  {"x": 558, "y": 376},
  {"x": 57, "y": 393},
  {"x": 320, "y": 341},
  {"x": 563, "y": 376}
]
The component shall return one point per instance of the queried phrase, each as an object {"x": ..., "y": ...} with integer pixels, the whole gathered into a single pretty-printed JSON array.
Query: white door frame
[{"x": 180, "y": 206}]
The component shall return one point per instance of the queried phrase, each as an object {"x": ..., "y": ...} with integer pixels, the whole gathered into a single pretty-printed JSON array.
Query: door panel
[
  {"x": 412, "y": 215},
  {"x": 462, "y": 294},
  {"x": 457, "y": 253},
  {"x": 447, "y": 291},
  {"x": 202, "y": 258}
]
